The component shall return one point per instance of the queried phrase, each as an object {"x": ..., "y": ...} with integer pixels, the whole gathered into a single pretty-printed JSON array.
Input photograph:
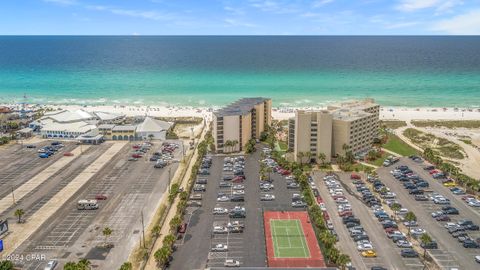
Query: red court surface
[{"x": 315, "y": 258}]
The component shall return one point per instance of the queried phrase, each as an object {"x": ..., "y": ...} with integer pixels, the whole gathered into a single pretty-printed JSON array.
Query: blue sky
[{"x": 239, "y": 17}]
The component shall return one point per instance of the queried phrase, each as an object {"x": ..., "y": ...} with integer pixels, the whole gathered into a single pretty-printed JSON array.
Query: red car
[
  {"x": 68, "y": 154},
  {"x": 100, "y": 197},
  {"x": 242, "y": 177},
  {"x": 319, "y": 200},
  {"x": 443, "y": 218},
  {"x": 389, "y": 230},
  {"x": 345, "y": 213},
  {"x": 182, "y": 228},
  {"x": 466, "y": 197},
  {"x": 434, "y": 171},
  {"x": 136, "y": 146},
  {"x": 325, "y": 215},
  {"x": 136, "y": 156},
  {"x": 355, "y": 176},
  {"x": 237, "y": 180},
  {"x": 335, "y": 197}
]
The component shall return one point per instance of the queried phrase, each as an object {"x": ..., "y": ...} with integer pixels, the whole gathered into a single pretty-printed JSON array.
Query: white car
[
  {"x": 220, "y": 211},
  {"x": 239, "y": 192},
  {"x": 238, "y": 187},
  {"x": 231, "y": 263},
  {"x": 267, "y": 197},
  {"x": 223, "y": 199},
  {"x": 299, "y": 204},
  {"x": 364, "y": 242},
  {"x": 51, "y": 265},
  {"x": 404, "y": 244},
  {"x": 412, "y": 223},
  {"x": 417, "y": 231},
  {"x": 220, "y": 247},
  {"x": 330, "y": 225},
  {"x": 441, "y": 201},
  {"x": 323, "y": 207},
  {"x": 220, "y": 229},
  {"x": 363, "y": 247},
  {"x": 474, "y": 203}
]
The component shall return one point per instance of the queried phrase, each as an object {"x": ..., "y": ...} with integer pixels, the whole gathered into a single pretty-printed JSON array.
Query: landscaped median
[
  {"x": 159, "y": 232},
  {"x": 326, "y": 240}
]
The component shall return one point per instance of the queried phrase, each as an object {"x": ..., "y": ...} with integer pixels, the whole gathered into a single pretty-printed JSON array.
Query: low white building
[
  {"x": 52, "y": 129},
  {"x": 152, "y": 128}
]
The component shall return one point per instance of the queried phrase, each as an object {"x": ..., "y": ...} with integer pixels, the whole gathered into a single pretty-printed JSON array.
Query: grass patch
[
  {"x": 395, "y": 144},
  {"x": 466, "y": 141},
  {"x": 393, "y": 124},
  {"x": 439, "y": 145},
  {"x": 447, "y": 123},
  {"x": 379, "y": 161}
]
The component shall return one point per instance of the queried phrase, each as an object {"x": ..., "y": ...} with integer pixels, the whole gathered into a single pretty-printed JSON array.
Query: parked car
[
  {"x": 231, "y": 263},
  {"x": 408, "y": 253}
]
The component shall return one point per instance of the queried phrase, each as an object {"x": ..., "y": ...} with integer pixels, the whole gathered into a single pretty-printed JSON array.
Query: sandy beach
[{"x": 386, "y": 113}]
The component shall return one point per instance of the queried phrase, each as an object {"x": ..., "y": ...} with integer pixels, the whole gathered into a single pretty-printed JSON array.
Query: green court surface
[{"x": 288, "y": 239}]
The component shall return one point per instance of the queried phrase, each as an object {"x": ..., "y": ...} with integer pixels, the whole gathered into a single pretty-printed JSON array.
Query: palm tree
[
  {"x": 308, "y": 155},
  {"x": 70, "y": 266},
  {"x": 269, "y": 171},
  {"x": 19, "y": 213},
  {"x": 107, "y": 232},
  {"x": 342, "y": 261},
  {"x": 156, "y": 230},
  {"x": 228, "y": 145},
  {"x": 300, "y": 156},
  {"x": 322, "y": 157},
  {"x": 175, "y": 222},
  {"x": 409, "y": 217},
  {"x": 150, "y": 137},
  {"x": 234, "y": 144},
  {"x": 395, "y": 208},
  {"x": 169, "y": 240},
  {"x": 162, "y": 255},
  {"x": 126, "y": 266},
  {"x": 425, "y": 239},
  {"x": 83, "y": 264}
]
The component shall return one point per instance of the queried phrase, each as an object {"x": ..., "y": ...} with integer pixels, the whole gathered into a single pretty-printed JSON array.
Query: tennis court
[{"x": 288, "y": 239}]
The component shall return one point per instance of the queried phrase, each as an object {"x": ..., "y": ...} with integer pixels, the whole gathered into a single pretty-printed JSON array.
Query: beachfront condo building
[
  {"x": 237, "y": 123},
  {"x": 345, "y": 126}
]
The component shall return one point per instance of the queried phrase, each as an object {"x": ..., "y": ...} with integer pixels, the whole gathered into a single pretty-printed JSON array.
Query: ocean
[{"x": 412, "y": 71}]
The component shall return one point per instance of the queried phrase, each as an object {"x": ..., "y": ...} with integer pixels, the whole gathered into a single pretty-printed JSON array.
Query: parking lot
[
  {"x": 206, "y": 230},
  {"x": 450, "y": 252},
  {"x": 21, "y": 163},
  {"x": 387, "y": 253},
  {"x": 130, "y": 188}
]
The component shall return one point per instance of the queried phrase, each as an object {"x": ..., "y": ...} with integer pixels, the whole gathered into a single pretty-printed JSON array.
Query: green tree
[
  {"x": 409, "y": 217},
  {"x": 168, "y": 240},
  {"x": 6, "y": 265},
  {"x": 84, "y": 264},
  {"x": 126, "y": 266},
  {"x": 156, "y": 230},
  {"x": 395, "y": 208},
  {"x": 175, "y": 222},
  {"x": 342, "y": 261},
  {"x": 70, "y": 266},
  {"x": 162, "y": 255},
  {"x": 19, "y": 213},
  {"x": 107, "y": 231},
  {"x": 322, "y": 157},
  {"x": 425, "y": 239}
]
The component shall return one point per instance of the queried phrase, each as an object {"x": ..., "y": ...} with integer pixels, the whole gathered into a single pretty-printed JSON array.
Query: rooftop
[
  {"x": 124, "y": 128},
  {"x": 240, "y": 107},
  {"x": 153, "y": 125},
  {"x": 349, "y": 114}
]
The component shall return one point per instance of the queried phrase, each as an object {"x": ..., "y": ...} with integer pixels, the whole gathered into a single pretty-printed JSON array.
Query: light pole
[
  {"x": 13, "y": 196},
  {"x": 143, "y": 231},
  {"x": 169, "y": 178}
]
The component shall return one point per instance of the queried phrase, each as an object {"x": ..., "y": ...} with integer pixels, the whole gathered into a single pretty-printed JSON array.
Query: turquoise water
[{"x": 204, "y": 71}]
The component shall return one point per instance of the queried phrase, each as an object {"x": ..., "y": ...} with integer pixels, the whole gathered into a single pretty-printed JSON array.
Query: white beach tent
[{"x": 152, "y": 128}]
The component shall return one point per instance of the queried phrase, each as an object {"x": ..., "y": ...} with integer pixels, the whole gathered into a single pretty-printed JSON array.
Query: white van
[{"x": 87, "y": 205}]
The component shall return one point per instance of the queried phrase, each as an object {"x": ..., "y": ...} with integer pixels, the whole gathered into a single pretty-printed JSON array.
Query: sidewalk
[
  {"x": 21, "y": 232},
  {"x": 38, "y": 179},
  {"x": 151, "y": 263}
]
